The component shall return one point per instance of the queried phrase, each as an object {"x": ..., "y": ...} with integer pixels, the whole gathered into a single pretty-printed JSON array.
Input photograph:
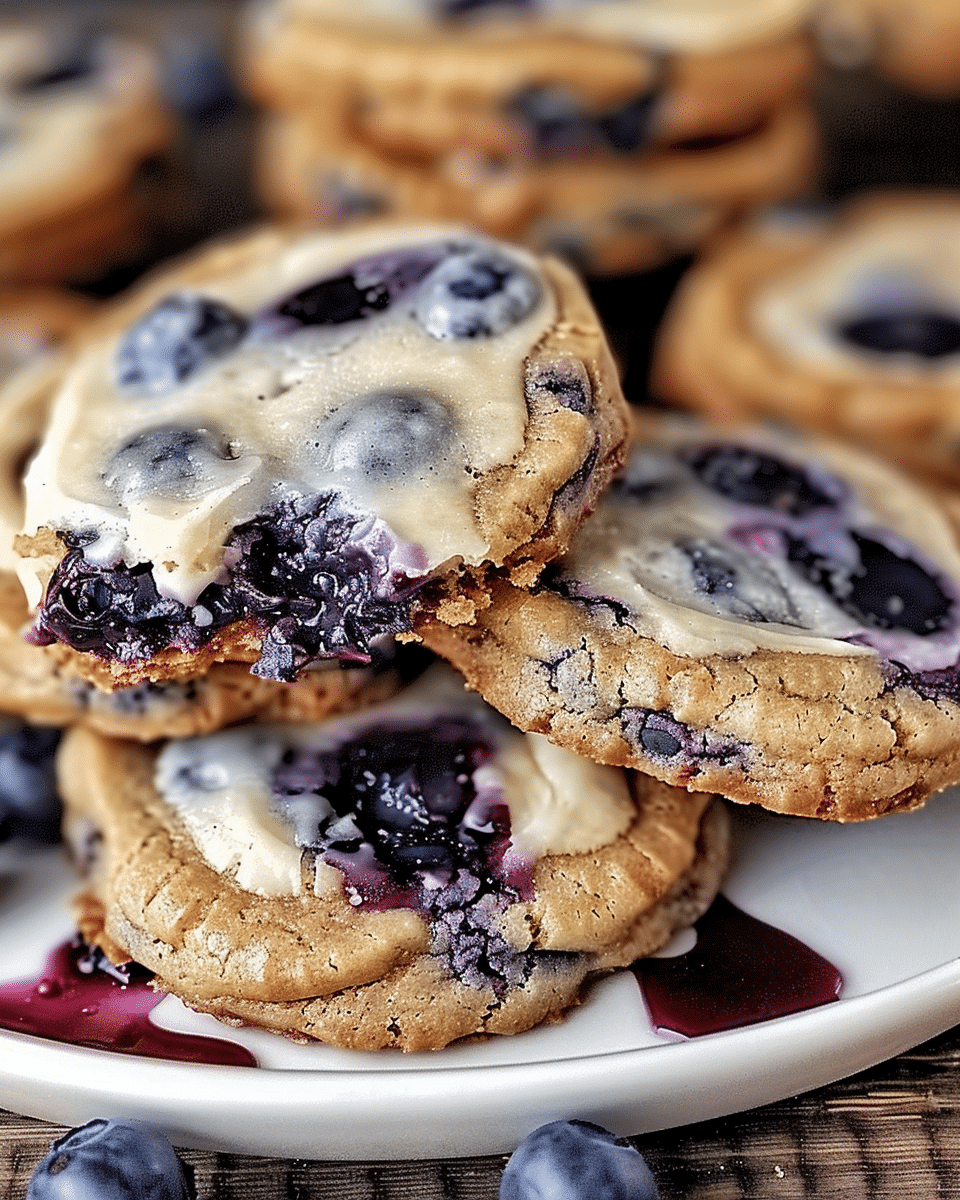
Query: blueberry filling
[
  {"x": 172, "y": 342},
  {"x": 926, "y": 334},
  {"x": 476, "y": 292},
  {"x": 368, "y": 287},
  {"x": 29, "y": 804},
  {"x": 565, "y": 383},
  {"x": 173, "y": 460},
  {"x": 319, "y": 579},
  {"x": 396, "y": 810},
  {"x": 750, "y": 477},
  {"x": 884, "y": 591}
]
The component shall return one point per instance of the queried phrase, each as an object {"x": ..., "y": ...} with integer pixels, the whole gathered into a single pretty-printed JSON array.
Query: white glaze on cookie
[
  {"x": 221, "y": 787},
  {"x": 896, "y": 260},
  {"x": 285, "y": 410},
  {"x": 632, "y": 551}
]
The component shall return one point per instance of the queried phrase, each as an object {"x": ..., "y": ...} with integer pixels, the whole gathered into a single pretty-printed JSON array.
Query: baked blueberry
[
  {"x": 737, "y": 583},
  {"x": 921, "y": 332},
  {"x": 389, "y": 434},
  {"x": 109, "y": 1160},
  {"x": 29, "y": 804},
  {"x": 476, "y": 292},
  {"x": 575, "y": 1160},
  {"x": 751, "y": 477},
  {"x": 367, "y": 287},
  {"x": 172, "y": 460},
  {"x": 172, "y": 341},
  {"x": 555, "y": 119},
  {"x": 625, "y": 128}
]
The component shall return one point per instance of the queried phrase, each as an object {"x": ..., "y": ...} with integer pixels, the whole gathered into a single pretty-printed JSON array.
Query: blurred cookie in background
[{"x": 842, "y": 319}]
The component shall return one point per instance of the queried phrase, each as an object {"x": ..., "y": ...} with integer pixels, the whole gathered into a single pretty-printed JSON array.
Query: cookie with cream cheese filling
[
  {"x": 843, "y": 321},
  {"x": 325, "y": 880},
  {"x": 755, "y": 613},
  {"x": 277, "y": 451}
]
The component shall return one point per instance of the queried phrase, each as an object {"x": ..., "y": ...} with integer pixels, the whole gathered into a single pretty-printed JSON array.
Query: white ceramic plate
[{"x": 880, "y": 901}]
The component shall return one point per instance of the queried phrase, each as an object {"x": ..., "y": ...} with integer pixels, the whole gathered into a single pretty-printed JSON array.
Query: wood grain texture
[{"x": 886, "y": 1134}]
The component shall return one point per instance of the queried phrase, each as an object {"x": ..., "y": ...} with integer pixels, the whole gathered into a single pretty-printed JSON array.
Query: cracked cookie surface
[
  {"x": 760, "y": 615},
  {"x": 327, "y": 881},
  {"x": 273, "y": 453}
]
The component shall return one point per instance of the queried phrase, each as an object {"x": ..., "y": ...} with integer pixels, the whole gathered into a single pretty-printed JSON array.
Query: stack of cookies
[
  {"x": 259, "y": 485},
  {"x": 618, "y": 134},
  {"x": 79, "y": 116}
]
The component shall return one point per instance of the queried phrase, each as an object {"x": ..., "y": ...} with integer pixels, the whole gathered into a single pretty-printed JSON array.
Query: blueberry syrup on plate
[
  {"x": 741, "y": 971},
  {"x": 82, "y": 999}
]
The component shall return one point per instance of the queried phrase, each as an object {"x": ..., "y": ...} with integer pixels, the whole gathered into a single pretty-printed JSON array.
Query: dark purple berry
[
  {"x": 923, "y": 333},
  {"x": 476, "y": 292},
  {"x": 461, "y": 8},
  {"x": 574, "y": 1160},
  {"x": 109, "y": 1160},
  {"x": 172, "y": 341},
  {"x": 625, "y": 129},
  {"x": 171, "y": 461},
  {"x": 389, "y": 434},
  {"x": 29, "y": 804},
  {"x": 360, "y": 291},
  {"x": 885, "y": 590},
  {"x": 750, "y": 477},
  {"x": 556, "y": 120}
]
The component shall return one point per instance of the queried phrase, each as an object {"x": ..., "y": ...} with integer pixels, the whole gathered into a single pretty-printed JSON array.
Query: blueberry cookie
[
  {"x": 762, "y": 616},
  {"x": 79, "y": 114},
  {"x": 407, "y": 876},
  {"x": 608, "y": 216},
  {"x": 275, "y": 453},
  {"x": 535, "y": 80},
  {"x": 842, "y": 321}
]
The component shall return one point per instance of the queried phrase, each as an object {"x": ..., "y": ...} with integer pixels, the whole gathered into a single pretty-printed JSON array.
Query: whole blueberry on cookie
[
  {"x": 279, "y": 452},
  {"x": 109, "y": 1160},
  {"x": 575, "y": 1160}
]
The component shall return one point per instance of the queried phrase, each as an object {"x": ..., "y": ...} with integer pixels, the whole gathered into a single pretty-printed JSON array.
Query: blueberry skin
[
  {"x": 574, "y": 1160},
  {"x": 476, "y": 292},
  {"x": 391, "y": 434},
  {"x": 172, "y": 460},
  {"x": 172, "y": 341},
  {"x": 109, "y": 1160}
]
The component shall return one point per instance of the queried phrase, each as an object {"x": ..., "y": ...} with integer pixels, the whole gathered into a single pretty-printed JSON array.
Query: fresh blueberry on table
[
  {"x": 109, "y": 1160},
  {"x": 172, "y": 341},
  {"x": 574, "y": 1160}
]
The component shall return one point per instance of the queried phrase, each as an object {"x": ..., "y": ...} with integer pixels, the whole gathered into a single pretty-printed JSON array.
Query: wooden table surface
[{"x": 892, "y": 1132}]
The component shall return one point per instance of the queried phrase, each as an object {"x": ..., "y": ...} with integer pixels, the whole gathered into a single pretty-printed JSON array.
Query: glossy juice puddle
[
  {"x": 76, "y": 1002},
  {"x": 740, "y": 971}
]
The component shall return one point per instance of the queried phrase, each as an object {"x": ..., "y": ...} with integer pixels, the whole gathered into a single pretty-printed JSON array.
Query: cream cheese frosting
[
  {"x": 287, "y": 410},
  {"x": 220, "y": 786}
]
